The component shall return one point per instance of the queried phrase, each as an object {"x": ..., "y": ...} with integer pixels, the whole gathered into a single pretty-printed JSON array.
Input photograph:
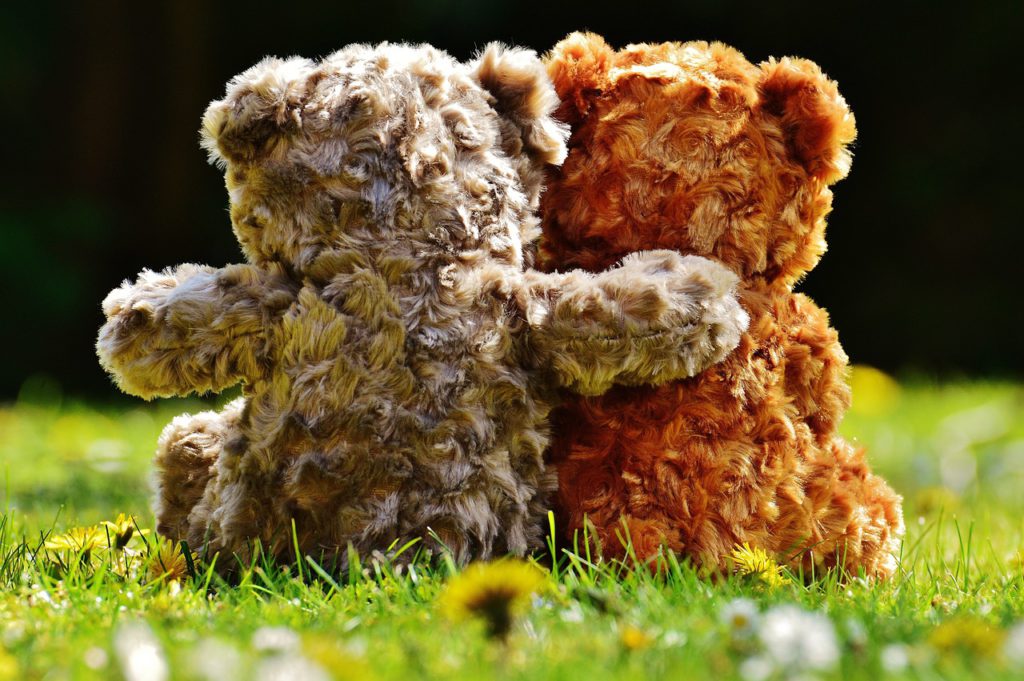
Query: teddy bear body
[
  {"x": 691, "y": 147},
  {"x": 398, "y": 359}
]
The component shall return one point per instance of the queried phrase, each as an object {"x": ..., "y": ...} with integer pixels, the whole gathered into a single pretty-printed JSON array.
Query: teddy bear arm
[
  {"x": 188, "y": 329},
  {"x": 656, "y": 317}
]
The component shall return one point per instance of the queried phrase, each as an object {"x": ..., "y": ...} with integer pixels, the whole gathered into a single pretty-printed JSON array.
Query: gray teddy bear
[{"x": 398, "y": 357}]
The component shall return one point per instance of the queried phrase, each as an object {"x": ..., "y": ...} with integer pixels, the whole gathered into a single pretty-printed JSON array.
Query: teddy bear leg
[
  {"x": 186, "y": 463},
  {"x": 859, "y": 515}
]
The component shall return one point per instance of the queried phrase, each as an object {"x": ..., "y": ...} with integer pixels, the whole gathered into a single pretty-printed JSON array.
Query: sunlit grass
[{"x": 141, "y": 610}]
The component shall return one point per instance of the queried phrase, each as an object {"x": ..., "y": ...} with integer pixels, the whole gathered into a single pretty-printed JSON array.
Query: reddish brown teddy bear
[{"x": 689, "y": 146}]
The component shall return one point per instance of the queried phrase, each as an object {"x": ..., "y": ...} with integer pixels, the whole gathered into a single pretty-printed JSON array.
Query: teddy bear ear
[
  {"x": 523, "y": 96},
  {"x": 815, "y": 119},
  {"x": 579, "y": 66},
  {"x": 260, "y": 104}
]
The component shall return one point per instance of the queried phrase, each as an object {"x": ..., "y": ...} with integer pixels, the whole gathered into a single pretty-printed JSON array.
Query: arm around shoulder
[{"x": 656, "y": 317}]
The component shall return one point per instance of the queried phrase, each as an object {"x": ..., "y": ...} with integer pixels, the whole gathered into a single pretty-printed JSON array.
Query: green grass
[{"x": 955, "y": 451}]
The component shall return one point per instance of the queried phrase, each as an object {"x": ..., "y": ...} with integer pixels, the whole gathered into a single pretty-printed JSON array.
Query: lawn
[{"x": 956, "y": 609}]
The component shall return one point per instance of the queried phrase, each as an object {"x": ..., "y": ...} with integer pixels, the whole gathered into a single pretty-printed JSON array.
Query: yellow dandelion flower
[
  {"x": 742, "y": 616},
  {"x": 874, "y": 392},
  {"x": 634, "y": 638},
  {"x": 755, "y": 562},
  {"x": 967, "y": 634},
  {"x": 931, "y": 500},
  {"x": 329, "y": 654},
  {"x": 496, "y": 592},
  {"x": 8, "y": 666},
  {"x": 122, "y": 529},
  {"x": 78, "y": 540},
  {"x": 168, "y": 562}
]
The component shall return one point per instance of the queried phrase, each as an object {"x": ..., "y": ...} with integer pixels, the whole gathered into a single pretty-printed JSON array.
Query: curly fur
[
  {"x": 398, "y": 357},
  {"x": 691, "y": 147}
]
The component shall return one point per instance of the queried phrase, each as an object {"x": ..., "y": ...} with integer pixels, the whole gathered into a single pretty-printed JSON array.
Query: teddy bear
[
  {"x": 689, "y": 146},
  {"x": 397, "y": 353}
]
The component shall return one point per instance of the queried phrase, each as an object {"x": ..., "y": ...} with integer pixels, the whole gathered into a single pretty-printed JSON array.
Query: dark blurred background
[{"x": 104, "y": 176}]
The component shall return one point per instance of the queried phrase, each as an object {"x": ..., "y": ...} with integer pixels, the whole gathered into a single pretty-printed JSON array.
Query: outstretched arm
[
  {"x": 656, "y": 317},
  {"x": 189, "y": 329}
]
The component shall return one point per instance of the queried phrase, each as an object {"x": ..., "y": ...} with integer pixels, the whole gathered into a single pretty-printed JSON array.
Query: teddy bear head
[
  {"x": 375, "y": 144},
  {"x": 691, "y": 147}
]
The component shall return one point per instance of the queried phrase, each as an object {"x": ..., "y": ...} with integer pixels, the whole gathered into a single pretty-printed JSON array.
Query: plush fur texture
[
  {"x": 399, "y": 359},
  {"x": 692, "y": 147}
]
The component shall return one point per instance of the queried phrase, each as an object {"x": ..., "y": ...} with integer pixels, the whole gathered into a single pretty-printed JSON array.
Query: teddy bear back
[
  {"x": 386, "y": 181},
  {"x": 383, "y": 180},
  {"x": 689, "y": 146}
]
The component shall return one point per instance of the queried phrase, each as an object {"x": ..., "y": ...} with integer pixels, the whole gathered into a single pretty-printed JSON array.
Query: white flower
[
  {"x": 797, "y": 639},
  {"x": 139, "y": 653},
  {"x": 279, "y": 639},
  {"x": 673, "y": 639},
  {"x": 290, "y": 667},
  {"x": 895, "y": 658},
  {"x": 356, "y": 646},
  {"x": 1013, "y": 647},
  {"x": 741, "y": 616},
  {"x": 13, "y": 633},
  {"x": 757, "y": 668},
  {"x": 215, "y": 660},
  {"x": 572, "y": 613},
  {"x": 95, "y": 658}
]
